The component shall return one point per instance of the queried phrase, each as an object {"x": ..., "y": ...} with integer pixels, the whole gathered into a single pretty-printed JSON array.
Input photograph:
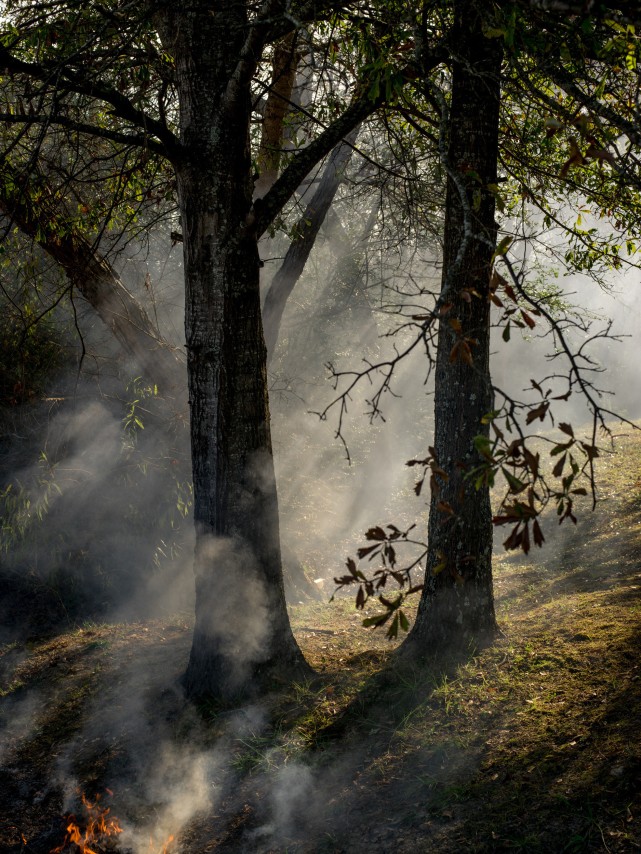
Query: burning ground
[{"x": 532, "y": 744}]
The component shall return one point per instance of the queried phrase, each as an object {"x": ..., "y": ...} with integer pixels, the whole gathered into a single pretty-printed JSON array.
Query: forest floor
[{"x": 532, "y": 744}]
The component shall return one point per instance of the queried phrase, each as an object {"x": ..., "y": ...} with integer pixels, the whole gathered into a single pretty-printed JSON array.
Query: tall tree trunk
[
  {"x": 277, "y": 106},
  {"x": 242, "y": 637},
  {"x": 457, "y": 605}
]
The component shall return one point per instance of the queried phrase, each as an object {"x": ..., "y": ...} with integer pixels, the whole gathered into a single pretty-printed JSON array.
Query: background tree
[{"x": 551, "y": 166}]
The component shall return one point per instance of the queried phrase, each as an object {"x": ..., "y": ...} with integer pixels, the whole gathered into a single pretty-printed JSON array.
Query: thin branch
[
  {"x": 69, "y": 81},
  {"x": 250, "y": 55},
  {"x": 599, "y": 412},
  {"x": 266, "y": 209},
  {"x": 139, "y": 140}
]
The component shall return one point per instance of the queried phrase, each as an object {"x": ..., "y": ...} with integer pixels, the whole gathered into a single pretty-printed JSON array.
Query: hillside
[{"x": 530, "y": 745}]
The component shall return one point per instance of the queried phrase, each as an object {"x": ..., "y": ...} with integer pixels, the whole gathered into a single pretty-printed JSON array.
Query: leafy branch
[{"x": 385, "y": 541}]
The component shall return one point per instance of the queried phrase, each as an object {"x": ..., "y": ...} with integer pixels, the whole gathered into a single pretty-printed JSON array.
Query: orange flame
[
  {"x": 97, "y": 823},
  {"x": 165, "y": 847},
  {"x": 98, "y": 827}
]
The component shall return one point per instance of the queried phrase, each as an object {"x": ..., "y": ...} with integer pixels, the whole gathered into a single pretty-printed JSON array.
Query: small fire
[
  {"x": 165, "y": 847},
  {"x": 98, "y": 826}
]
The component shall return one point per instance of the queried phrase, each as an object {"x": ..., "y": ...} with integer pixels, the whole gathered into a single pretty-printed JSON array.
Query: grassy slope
[{"x": 530, "y": 745}]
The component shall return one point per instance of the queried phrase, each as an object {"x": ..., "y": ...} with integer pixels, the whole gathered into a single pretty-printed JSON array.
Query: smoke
[
  {"x": 607, "y": 362},
  {"x": 290, "y": 793},
  {"x": 181, "y": 784},
  {"x": 232, "y": 605},
  {"x": 153, "y": 271},
  {"x": 333, "y": 487},
  {"x": 163, "y": 770},
  {"x": 89, "y": 519},
  {"x": 326, "y": 503},
  {"x": 18, "y": 714},
  {"x": 95, "y": 493}
]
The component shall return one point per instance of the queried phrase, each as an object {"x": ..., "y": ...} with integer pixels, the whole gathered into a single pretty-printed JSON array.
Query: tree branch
[
  {"x": 68, "y": 81},
  {"x": 91, "y": 274},
  {"x": 266, "y": 209},
  {"x": 138, "y": 141},
  {"x": 306, "y": 231}
]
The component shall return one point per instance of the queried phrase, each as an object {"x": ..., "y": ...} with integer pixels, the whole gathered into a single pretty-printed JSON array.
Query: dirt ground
[{"x": 529, "y": 745}]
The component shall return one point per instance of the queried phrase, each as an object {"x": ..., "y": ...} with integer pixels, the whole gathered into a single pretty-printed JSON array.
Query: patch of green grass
[
  {"x": 12, "y": 687},
  {"x": 254, "y": 752}
]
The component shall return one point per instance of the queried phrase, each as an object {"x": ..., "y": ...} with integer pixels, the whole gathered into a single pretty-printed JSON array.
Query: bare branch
[
  {"x": 137, "y": 140},
  {"x": 63, "y": 79},
  {"x": 266, "y": 209}
]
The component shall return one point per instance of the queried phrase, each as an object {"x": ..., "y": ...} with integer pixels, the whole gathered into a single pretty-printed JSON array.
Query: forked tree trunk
[
  {"x": 242, "y": 637},
  {"x": 457, "y": 605}
]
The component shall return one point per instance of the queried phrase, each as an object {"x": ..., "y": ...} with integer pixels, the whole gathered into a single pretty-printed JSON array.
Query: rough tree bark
[
  {"x": 242, "y": 637},
  {"x": 457, "y": 604}
]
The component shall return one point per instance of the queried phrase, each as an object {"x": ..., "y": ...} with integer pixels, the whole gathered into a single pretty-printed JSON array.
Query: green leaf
[
  {"x": 498, "y": 198},
  {"x": 503, "y": 246},
  {"x": 515, "y": 484},
  {"x": 483, "y": 446},
  {"x": 378, "y": 620}
]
